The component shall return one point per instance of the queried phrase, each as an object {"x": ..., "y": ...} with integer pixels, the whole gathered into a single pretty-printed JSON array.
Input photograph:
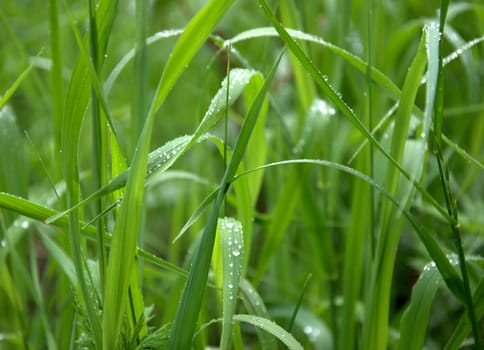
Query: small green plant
[{"x": 270, "y": 174}]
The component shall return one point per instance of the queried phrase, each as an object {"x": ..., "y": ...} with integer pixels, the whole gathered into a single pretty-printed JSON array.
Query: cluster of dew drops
[{"x": 233, "y": 230}]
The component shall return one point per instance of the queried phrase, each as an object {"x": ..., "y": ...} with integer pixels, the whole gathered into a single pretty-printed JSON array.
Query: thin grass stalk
[
  {"x": 57, "y": 83},
  {"x": 353, "y": 257},
  {"x": 99, "y": 149},
  {"x": 450, "y": 201},
  {"x": 226, "y": 116},
  {"x": 369, "y": 85},
  {"x": 140, "y": 101}
]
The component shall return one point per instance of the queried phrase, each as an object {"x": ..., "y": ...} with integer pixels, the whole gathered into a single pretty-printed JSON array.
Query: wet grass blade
[
  {"x": 255, "y": 306},
  {"x": 191, "y": 300},
  {"x": 415, "y": 319},
  {"x": 232, "y": 259},
  {"x": 272, "y": 328}
]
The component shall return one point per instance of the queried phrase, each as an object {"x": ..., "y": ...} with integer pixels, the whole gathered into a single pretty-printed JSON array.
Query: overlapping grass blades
[
  {"x": 271, "y": 327},
  {"x": 336, "y": 211},
  {"x": 40, "y": 213},
  {"x": 450, "y": 201},
  {"x": 189, "y": 307},
  {"x": 375, "y": 327},
  {"x": 315, "y": 124},
  {"x": 123, "y": 249}
]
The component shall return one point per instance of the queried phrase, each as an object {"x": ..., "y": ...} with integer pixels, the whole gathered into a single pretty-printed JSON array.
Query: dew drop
[
  {"x": 236, "y": 253},
  {"x": 308, "y": 329}
]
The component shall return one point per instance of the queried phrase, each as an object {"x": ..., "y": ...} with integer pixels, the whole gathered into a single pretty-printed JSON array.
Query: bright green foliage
[{"x": 241, "y": 174}]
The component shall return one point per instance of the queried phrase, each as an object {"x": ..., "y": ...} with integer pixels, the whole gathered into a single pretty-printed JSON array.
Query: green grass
[{"x": 242, "y": 175}]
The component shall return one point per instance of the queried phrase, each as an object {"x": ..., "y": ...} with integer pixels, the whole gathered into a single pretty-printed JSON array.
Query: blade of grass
[
  {"x": 255, "y": 306},
  {"x": 272, "y": 328},
  {"x": 247, "y": 190},
  {"x": 191, "y": 300},
  {"x": 415, "y": 319},
  {"x": 99, "y": 148},
  {"x": 315, "y": 330},
  {"x": 11, "y": 90},
  {"x": 57, "y": 83},
  {"x": 232, "y": 259}
]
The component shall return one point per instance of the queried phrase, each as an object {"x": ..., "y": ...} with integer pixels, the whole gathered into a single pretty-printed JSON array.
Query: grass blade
[
  {"x": 255, "y": 306},
  {"x": 272, "y": 328},
  {"x": 415, "y": 319},
  {"x": 11, "y": 90},
  {"x": 189, "y": 307},
  {"x": 232, "y": 259}
]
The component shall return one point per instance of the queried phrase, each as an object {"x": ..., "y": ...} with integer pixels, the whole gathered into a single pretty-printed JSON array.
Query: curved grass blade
[
  {"x": 272, "y": 328},
  {"x": 191, "y": 300},
  {"x": 314, "y": 329},
  {"x": 255, "y": 306},
  {"x": 108, "y": 84},
  {"x": 414, "y": 321},
  {"x": 377, "y": 76},
  {"x": 450, "y": 275}
]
